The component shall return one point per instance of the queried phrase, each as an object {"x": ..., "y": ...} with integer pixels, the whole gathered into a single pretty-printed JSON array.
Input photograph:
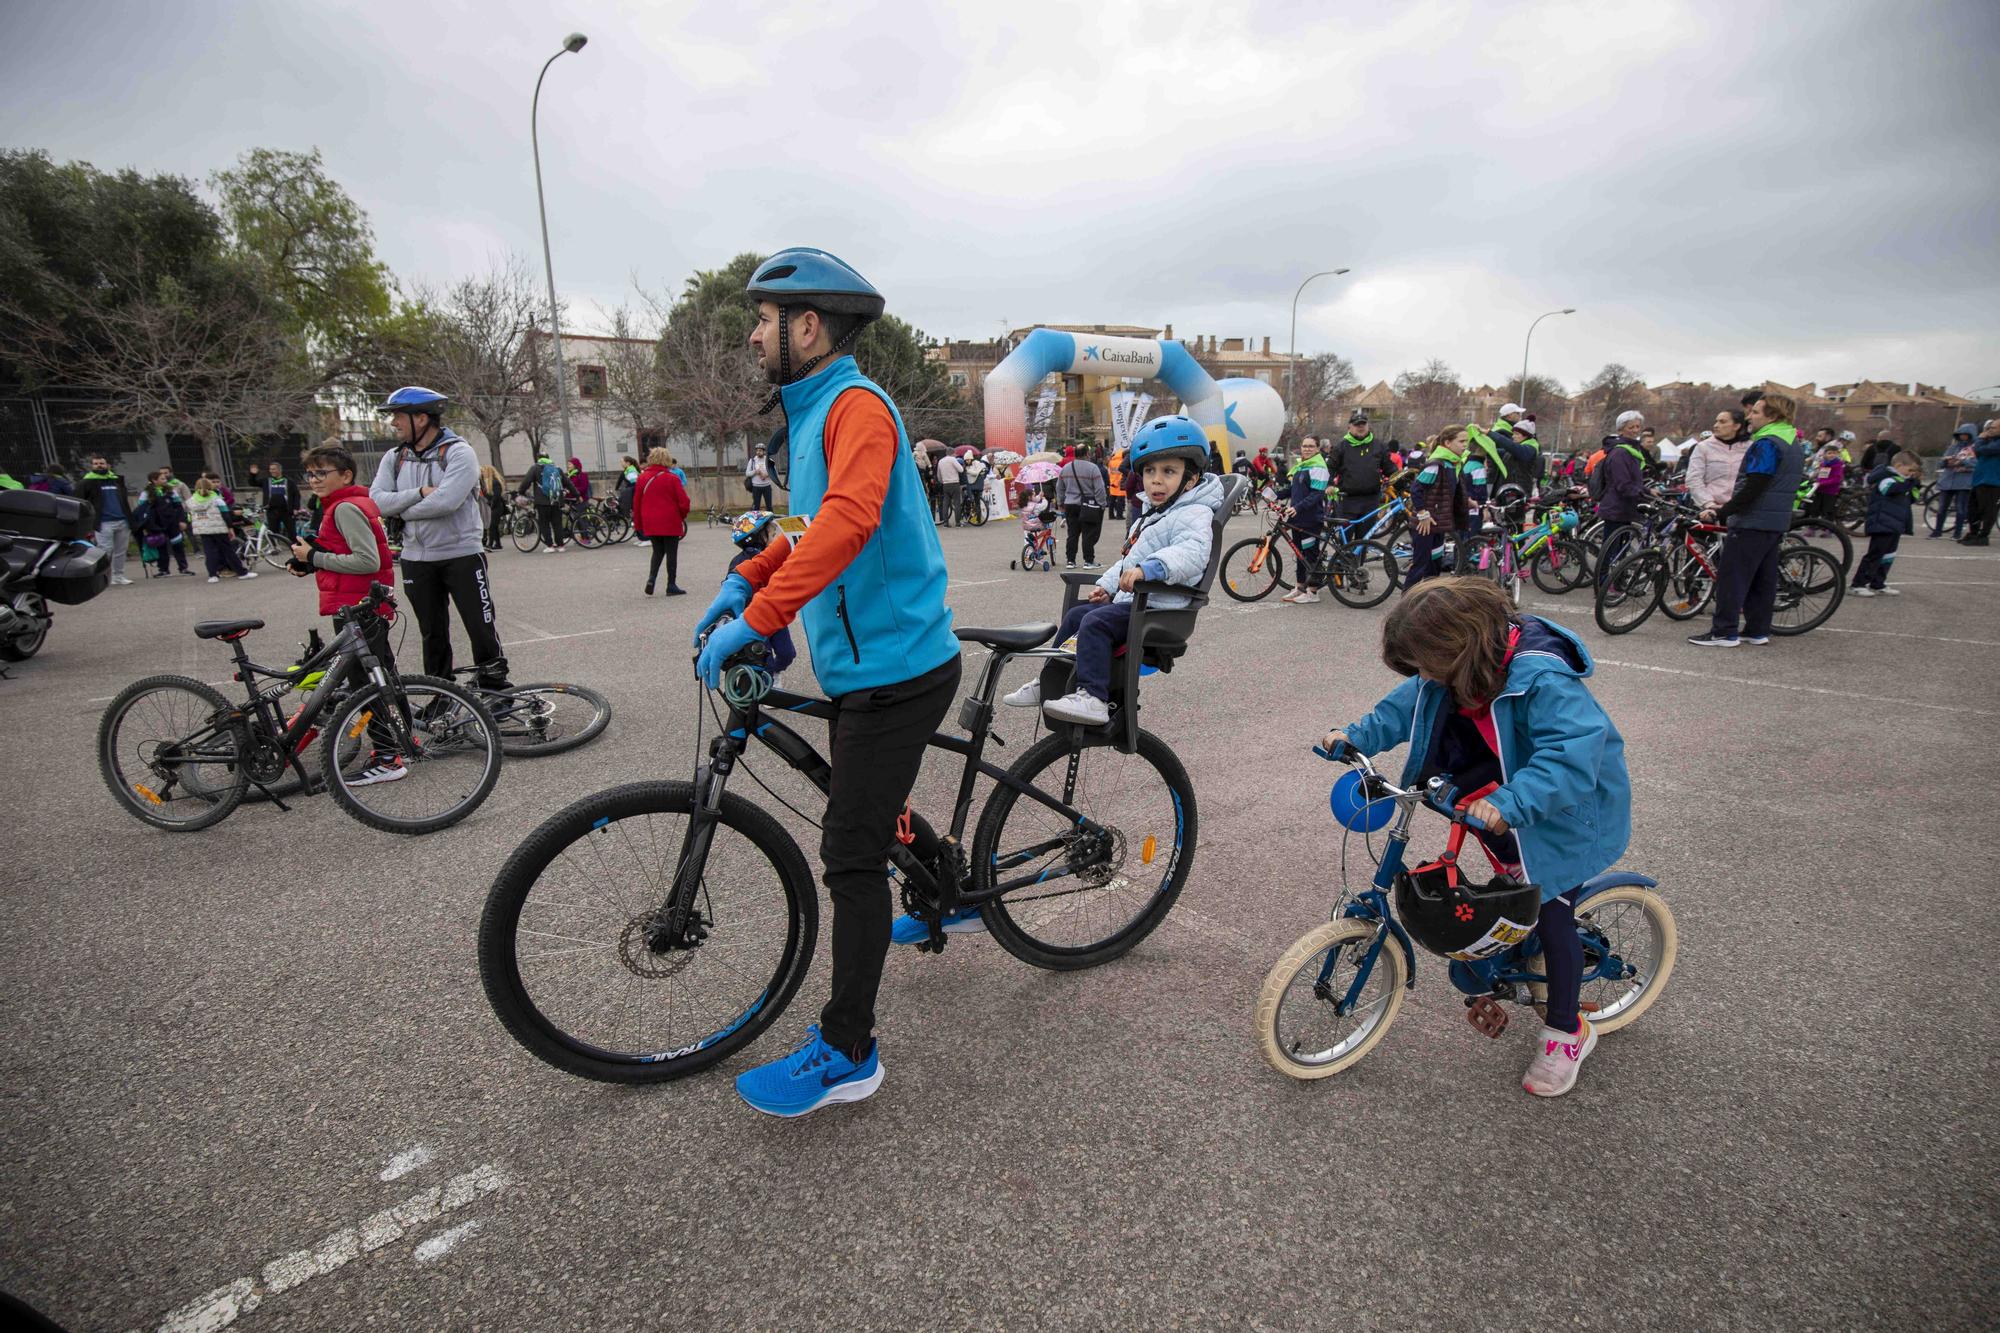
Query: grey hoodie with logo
[{"x": 445, "y": 524}]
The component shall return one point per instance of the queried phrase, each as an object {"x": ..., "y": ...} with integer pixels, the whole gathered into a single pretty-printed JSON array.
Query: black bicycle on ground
[
  {"x": 541, "y": 718},
  {"x": 405, "y": 754},
  {"x": 654, "y": 929}
]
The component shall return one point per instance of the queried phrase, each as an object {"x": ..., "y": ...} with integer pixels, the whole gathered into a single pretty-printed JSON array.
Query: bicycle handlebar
[{"x": 1439, "y": 793}]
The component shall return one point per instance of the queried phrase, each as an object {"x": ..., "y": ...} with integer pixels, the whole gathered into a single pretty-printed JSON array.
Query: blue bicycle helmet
[
  {"x": 414, "y": 398},
  {"x": 1170, "y": 437},
  {"x": 805, "y": 277}
]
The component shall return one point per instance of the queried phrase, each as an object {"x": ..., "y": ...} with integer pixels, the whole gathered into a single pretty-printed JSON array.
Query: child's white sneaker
[
  {"x": 1885, "y": 590},
  {"x": 1306, "y": 598},
  {"x": 1026, "y": 697},
  {"x": 1558, "y": 1055},
  {"x": 1079, "y": 707},
  {"x": 1292, "y": 596}
]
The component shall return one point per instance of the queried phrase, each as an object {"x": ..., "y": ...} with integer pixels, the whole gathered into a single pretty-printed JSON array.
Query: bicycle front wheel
[
  {"x": 1810, "y": 590},
  {"x": 168, "y": 754},
  {"x": 424, "y": 767},
  {"x": 547, "y": 718},
  {"x": 1252, "y": 568},
  {"x": 570, "y": 951},
  {"x": 1086, "y": 894},
  {"x": 1629, "y": 592},
  {"x": 1561, "y": 566},
  {"x": 1362, "y": 575},
  {"x": 1629, "y": 947},
  {"x": 1690, "y": 588},
  {"x": 1305, "y": 1027},
  {"x": 523, "y": 531}
]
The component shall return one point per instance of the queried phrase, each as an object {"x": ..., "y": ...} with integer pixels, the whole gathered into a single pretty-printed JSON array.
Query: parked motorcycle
[{"x": 45, "y": 557}]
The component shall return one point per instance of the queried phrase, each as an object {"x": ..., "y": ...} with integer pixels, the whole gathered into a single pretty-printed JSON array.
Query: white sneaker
[
  {"x": 1027, "y": 696},
  {"x": 251, "y": 575},
  {"x": 1079, "y": 707},
  {"x": 1863, "y": 592},
  {"x": 1885, "y": 590},
  {"x": 215, "y": 578},
  {"x": 1305, "y": 599},
  {"x": 121, "y": 581},
  {"x": 388, "y": 769},
  {"x": 1291, "y": 596},
  {"x": 1558, "y": 1056}
]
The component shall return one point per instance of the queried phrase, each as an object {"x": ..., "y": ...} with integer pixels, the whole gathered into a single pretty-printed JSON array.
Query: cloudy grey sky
[{"x": 1726, "y": 191}]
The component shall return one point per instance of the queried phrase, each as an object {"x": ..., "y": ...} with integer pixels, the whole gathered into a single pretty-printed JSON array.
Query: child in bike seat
[
  {"x": 1169, "y": 542},
  {"x": 753, "y": 530},
  {"x": 1495, "y": 696}
]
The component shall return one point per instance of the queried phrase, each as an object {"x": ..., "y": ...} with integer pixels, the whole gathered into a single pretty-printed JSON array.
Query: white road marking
[
  {"x": 438, "y": 1246},
  {"x": 223, "y": 1306},
  {"x": 1796, "y": 689},
  {"x": 551, "y": 638},
  {"x": 1947, "y": 583},
  {"x": 1933, "y": 638},
  {"x": 978, "y": 583},
  {"x": 405, "y": 1162},
  {"x": 532, "y": 629}
]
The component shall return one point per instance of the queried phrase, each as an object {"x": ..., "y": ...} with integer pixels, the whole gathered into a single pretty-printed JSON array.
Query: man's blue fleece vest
[{"x": 883, "y": 620}]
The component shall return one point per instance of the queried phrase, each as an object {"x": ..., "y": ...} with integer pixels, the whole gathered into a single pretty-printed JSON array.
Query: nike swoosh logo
[{"x": 828, "y": 1080}]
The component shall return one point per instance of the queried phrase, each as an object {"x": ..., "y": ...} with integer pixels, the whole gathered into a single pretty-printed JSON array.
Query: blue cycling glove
[
  {"x": 724, "y": 642},
  {"x": 735, "y": 595},
  {"x": 1339, "y": 752}
]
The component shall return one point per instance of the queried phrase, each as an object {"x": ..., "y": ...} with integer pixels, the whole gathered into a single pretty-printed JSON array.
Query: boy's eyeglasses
[{"x": 319, "y": 473}]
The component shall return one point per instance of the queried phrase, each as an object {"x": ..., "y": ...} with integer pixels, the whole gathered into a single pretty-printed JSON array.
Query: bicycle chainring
[{"x": 265, "y": 761}]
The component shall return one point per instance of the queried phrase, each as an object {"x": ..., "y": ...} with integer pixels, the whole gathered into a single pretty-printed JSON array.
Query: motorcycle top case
[
  {"x": 62, "y": 518},
  {"x": 74, "y": 574}
]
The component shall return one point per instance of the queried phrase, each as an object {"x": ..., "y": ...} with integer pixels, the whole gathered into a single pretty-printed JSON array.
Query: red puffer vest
[{"x": 339, "y": 590}]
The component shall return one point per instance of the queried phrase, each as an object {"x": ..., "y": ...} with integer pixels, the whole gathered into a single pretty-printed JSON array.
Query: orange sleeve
[{"x": 861, "y": 452}]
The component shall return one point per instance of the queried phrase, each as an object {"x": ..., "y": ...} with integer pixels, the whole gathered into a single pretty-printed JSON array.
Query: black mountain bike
[
  {"x": 654, "y": 929},
  {"x": 180, "y": 756},
  {"x": 543, "y": 718}
]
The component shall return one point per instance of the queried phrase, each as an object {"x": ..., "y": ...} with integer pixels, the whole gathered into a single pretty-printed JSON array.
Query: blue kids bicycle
[{"x": 1332, "y": 995}]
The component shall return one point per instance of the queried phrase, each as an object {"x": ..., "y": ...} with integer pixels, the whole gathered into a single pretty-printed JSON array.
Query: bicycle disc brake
[
  {"x": 642, "y": 957},
  {"x": 1096, "y": 856}
]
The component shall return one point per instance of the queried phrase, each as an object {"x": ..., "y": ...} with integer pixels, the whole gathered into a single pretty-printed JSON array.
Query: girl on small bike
[{"x": 1497, "y": 697}]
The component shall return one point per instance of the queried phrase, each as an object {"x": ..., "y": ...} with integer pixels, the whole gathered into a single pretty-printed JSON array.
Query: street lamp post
[
  {"x": 1292, "y": 361},
  {"x": 1566, "y": 310},
  {"x": 572, "y": 43}
]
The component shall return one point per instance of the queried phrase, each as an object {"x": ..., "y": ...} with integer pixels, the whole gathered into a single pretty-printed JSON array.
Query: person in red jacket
[
  {"x": 346, "y": 557},
  {"x": 659, "y": 514}
]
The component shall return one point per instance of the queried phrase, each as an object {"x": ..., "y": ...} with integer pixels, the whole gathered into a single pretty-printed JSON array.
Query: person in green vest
[{"x": 7, "y": 482}]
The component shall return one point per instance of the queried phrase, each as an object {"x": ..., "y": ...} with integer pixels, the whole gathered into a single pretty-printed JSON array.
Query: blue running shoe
[
  {"x": 813, "y": 1076},
  {"x": 909, "y": 930}
]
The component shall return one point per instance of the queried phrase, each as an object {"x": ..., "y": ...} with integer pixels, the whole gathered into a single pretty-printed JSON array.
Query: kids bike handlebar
[{"x": 1439, "y": 793}]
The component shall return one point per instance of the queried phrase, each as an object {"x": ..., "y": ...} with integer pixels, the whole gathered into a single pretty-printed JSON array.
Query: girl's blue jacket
[{"x": 1564, "y": 789}]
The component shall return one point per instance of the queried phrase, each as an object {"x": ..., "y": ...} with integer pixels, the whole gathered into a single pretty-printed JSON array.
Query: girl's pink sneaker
[{"x": 1558, "y": 1055}]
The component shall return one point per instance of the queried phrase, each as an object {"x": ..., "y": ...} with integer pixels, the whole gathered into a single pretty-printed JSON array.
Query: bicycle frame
[{"x": 934, "y": 866}]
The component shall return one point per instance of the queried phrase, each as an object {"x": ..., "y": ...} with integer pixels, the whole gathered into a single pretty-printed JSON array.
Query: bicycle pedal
[{"x": 1486, "y": 1015}]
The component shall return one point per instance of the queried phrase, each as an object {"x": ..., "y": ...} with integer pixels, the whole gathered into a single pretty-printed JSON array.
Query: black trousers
[
  {"x": 1985, "y": 504},
  {"x": 429, "y": 587},
  {"x": 1117, "y": 506},
  {"x": 669, "y": 550},
  {"x": 876, "y": 745},
  {"x": 496, "y": 523},
  {"x": 1423, "y": 547},
  {"x": 760, "y": 497},
  {"x": 1746, "y": 582},
  {"x": 549, "y": 519},
  {"x": 1085, "y": 522},
  {"x": 279, "y": 519},
  {"x": 1874, "y": 568},
  {"x": 951, "y": 503}
]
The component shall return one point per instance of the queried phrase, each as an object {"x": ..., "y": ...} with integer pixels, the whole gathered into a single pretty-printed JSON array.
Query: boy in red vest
[{"x": 346, "y": 557}]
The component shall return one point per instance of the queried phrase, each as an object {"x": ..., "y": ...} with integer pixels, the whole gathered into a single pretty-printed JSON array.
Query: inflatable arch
[{"x": 1052, "y": 351}]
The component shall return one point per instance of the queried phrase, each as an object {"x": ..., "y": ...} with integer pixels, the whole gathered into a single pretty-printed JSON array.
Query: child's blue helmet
[{"x": 1170, "y": 437}]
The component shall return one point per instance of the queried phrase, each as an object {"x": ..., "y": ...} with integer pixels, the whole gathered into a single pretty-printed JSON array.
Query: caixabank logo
[{"x": 1120, "y": 356}]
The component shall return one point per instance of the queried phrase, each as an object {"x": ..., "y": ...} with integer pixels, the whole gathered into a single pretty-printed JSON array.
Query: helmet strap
[{"x": 786, "y": 375}]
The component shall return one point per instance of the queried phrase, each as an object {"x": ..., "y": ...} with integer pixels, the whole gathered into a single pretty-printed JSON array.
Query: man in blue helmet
[
  {"x": 430, "y": 481},
  {"x": 868, "y": 580}
]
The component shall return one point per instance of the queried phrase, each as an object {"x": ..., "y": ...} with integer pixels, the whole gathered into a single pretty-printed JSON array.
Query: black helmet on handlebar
[{"x": 1455, "y": 918}]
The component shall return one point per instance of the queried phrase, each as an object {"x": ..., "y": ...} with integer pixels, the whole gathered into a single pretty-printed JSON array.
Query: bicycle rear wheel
[
  {"x": 1824, "y": 534},
  {"x": 1690, "y": 588},
  {"x": 523, "y": 530},
  {"x": 1629, "y": 946},
  {"x": 1094, "y": 893},
  {"x": 1810, "y": 589},
  {"x": 169, "y": 756},
  {"x": 1362, "y": 574},
  {"x": 1561, "y": 566},
  {"x": 1629, "y": 592},
  {"x": 447, "y": 756},
  {"x": 547, "y": 718},
  {"x": 568, "y": 951},
  {"x": 1250, "y": 571},
  {"x": 1298, "y": 1028},
  {"x": 586, "y": 530}
]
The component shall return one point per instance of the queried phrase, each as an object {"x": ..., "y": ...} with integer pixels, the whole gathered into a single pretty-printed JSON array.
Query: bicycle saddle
[
  {"x": 222, "y": 629},
  {"x": 1012, "y": 639}
]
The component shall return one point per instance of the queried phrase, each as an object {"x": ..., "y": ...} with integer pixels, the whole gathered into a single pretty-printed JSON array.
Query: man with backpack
[
  {"x": 546, "y": 486},
  {"x": 430, "y": 481}
]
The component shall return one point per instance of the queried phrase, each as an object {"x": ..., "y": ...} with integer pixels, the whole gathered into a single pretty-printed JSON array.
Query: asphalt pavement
[{"x": 252, "y": 1080}]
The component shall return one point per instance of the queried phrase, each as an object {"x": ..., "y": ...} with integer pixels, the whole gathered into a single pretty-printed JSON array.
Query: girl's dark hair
[{"x": 1452, "y": 630}]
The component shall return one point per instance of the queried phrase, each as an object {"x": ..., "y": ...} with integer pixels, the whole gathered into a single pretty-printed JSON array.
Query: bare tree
[
  {"x": 1317, "y": 384},
  {"x": 713, "y": 385},
  {"x": 1430, "y": 397},
  {"x": 483, "y": 347},
  {"x": 634, "y": 388},
  {"x": 1613, "y": 389}
]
